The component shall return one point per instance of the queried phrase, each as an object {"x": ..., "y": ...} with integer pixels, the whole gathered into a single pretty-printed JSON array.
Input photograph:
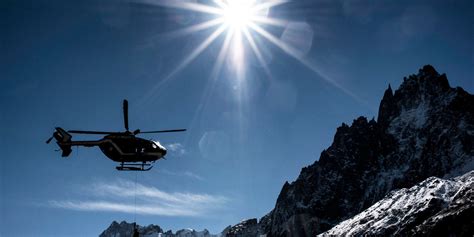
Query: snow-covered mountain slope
[
  {"x": 126, "y": 229},
  {"x": 433, "y": 207}
]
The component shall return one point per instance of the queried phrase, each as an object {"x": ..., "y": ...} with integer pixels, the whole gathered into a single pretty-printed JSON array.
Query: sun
[
  {"x": 236, "y": 17},
  {"x": 238, "y": 14}
]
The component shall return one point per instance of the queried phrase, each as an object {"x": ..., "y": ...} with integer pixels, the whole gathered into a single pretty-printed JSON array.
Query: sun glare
[
  {"x": 239, "y": 20},
  {"x": 238, "y": 14}
]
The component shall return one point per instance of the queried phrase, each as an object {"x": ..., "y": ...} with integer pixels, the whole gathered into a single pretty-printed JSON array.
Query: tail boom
[{"x": 63, "y": 139}]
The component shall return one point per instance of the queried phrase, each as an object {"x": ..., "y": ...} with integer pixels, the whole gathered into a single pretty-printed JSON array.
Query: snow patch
[{"x": 402, "y": 206}]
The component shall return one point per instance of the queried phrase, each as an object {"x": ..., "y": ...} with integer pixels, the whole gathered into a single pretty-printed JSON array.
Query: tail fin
[{"x": 63, "y": 139}]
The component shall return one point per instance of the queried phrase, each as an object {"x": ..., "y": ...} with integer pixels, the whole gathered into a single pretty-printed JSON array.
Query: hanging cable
[{"x": 135, "y": 197}]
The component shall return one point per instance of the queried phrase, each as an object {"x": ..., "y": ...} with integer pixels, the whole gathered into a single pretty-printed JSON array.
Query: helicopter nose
[{"x": 163, "y": 152}]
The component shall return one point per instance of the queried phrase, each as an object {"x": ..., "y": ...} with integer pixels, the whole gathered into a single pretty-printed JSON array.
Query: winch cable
[{"x": 135, "y": 197}]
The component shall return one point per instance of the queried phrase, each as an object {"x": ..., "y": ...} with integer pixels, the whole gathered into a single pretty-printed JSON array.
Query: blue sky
[{"x": 71, "y": 63}]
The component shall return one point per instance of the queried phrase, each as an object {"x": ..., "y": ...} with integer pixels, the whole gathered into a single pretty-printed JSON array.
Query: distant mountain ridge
[
  {"x": 125, "y": 229},
  {"x": 424, "y": 129}
]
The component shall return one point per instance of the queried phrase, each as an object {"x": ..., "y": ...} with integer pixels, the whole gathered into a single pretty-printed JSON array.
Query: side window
[{"x": 143, "y": 146}]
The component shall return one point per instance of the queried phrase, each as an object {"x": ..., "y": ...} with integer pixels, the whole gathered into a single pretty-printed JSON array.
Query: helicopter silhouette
[{"x": 133, "y": 153}]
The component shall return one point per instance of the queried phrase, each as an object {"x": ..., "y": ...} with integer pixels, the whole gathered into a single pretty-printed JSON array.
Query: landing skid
[{"x": 134, "y": 167}]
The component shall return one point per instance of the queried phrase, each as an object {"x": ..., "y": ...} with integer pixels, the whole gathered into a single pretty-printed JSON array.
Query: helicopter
[{"x": 133, "y": 153}]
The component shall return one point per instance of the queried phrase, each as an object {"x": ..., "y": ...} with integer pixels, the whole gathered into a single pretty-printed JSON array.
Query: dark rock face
[
  {"x": 424, "y": 129},
  {"x": 434, "y": 207},
  {"x": 244, "y": 228}
]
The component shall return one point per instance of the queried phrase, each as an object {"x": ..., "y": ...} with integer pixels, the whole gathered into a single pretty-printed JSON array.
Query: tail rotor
[
  {"x": 63, "y": 139},
  {"x": 49, "y": 140}
]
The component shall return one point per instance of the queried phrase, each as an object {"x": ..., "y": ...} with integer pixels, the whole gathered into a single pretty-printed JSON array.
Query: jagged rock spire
[{"x": 386, "y": 106}]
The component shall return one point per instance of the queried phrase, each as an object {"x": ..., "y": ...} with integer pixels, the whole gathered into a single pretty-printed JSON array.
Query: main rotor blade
[
  {"x": 125, "y": 114},
  {"x": 163, "y": 131},
  {"x": 90, "y": 132}
]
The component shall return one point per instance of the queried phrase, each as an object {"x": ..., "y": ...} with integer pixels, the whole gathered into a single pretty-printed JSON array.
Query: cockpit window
[{"x": 157, "y": 144}]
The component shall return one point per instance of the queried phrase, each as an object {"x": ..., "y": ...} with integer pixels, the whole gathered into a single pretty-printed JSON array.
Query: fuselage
[{"x": 128, "y": 148}]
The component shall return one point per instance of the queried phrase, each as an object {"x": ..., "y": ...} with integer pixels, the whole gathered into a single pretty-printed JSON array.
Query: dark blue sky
[{"x": 71, "y": 63}]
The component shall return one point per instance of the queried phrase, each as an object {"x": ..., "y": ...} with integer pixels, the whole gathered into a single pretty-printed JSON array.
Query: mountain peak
[
  {"x": 428, "y": 70},
  {"x": 428, "y": 80},
  {"x": 426, "y": 87}
]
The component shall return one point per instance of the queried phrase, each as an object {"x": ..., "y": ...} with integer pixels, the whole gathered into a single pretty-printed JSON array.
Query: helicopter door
[
  {"x": 126, "y": 145},
  {"x": 143, "y": 147}
]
